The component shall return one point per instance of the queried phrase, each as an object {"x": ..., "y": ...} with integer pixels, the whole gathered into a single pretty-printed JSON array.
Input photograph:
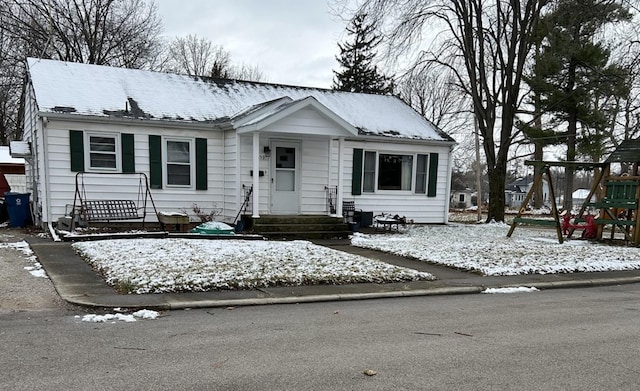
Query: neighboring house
[
  {"x": 579, "y": 196},
  {"x": 13, "y": 170},
  {"x": 460, "y": 195},
  {"x": 461, "y": 199},
  {"x": 516, "y": 191},
  {"x": 200, "y": 141}
]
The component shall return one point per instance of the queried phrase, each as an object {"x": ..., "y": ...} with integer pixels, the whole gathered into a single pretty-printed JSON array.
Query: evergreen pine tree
[
  {"x": 572, "y": 72},
  {"x": 359, "y": 74}
]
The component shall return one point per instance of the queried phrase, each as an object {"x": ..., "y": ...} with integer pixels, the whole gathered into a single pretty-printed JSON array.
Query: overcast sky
[{"x": 291, "y": 41}]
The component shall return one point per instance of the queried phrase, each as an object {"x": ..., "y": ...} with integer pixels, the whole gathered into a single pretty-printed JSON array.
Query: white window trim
[
  {"x": 87, "y": 151},
  {"x": 192, "y": 162},
  {"x": 426, "y": 172},
  {"x": 414, "y": 172}
]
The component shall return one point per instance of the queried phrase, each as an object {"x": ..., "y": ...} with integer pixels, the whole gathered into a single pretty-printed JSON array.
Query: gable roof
[
  {"x": 270, "y": 114},
  {"x": 94, "y": 90}
]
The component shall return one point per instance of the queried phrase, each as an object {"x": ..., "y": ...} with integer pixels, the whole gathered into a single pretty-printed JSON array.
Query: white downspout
[
  {"x": 34, "y": 169},
  {"x": 256, "y": 176},
  {"x": 45, "y": 167},
  {"x": 340, "y": 176}
]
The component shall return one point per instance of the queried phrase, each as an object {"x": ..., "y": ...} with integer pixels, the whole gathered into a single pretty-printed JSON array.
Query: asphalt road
[{"x": 573, "y": 339}]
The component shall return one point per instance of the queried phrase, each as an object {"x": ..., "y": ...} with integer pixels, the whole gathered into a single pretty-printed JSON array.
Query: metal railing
[
  {"x": 248, "y": 192},
  {"x": 331, "y": 195}
]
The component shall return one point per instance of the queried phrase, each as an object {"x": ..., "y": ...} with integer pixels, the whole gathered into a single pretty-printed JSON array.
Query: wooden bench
[{"x": 107, "y": 210}]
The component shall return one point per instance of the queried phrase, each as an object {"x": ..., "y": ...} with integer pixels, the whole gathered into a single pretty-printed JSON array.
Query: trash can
[
  {"x": 364, "y": 218},
  {"x": 18, "y": 208}
]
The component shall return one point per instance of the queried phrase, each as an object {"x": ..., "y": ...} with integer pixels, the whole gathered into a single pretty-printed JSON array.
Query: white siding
[
  {"x": 230, "y": 161},
  {"x": 246, "y": 165},
  {"x": 232, "y": 195},
  {"x": 126, "y": 186},
  {"x": 417, "y": 207},
  {"x": 315, "y": 176},
  {"x": 34, "y": 168}
]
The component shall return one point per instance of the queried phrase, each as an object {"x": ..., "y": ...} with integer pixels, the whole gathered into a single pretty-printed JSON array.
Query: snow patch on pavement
[{"x": 518, "y": 289}]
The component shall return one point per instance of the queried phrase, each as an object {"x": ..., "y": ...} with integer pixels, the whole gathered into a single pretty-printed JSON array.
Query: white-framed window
[
  {"x": 369, "y": 172},
  {"x": 422, "y": 173},
  {"x": 103, "y": 151},
  {"x": 394, "y": 171},
  {"x": 179, "y": 162}
]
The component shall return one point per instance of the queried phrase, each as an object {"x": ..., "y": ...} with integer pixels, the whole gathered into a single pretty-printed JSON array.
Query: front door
[{"x": 285, "y": 186}]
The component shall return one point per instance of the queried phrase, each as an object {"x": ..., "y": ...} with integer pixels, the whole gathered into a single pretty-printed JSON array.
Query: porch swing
[{"x": 100, "y": 209}]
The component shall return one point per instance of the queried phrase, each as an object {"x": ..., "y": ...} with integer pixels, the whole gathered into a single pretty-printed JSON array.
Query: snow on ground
[
  {"x": 142, "y": 314},
  {"x": 178, "y": 265},
  {"x": 486, "y": 249},
  {"x": 34, "y": 267},
  {"x": 516, "y": 289}
]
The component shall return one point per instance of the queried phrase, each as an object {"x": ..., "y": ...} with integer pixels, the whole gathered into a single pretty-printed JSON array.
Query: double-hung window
[
  {"x": 421, "y": 173},
  {"x": 102, "y": 152},
  {"x": 369, "y": 172},
  {"x": 179, "y": 161}
]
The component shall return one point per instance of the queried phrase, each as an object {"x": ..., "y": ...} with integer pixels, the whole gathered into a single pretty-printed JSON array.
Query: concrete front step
[
  {"x": 300, "y": 227},
  {"x": 307, "y": 235}
]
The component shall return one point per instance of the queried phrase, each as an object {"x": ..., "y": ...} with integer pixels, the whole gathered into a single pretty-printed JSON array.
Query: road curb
[
  {"x": 459, "y": 290},
  {"x": 323, "y": 298}
]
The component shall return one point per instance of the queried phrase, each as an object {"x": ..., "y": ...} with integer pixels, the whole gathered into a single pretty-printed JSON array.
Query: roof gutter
[
  {"x": 402, "y": 140},
  {"x": 133, "y": 121}
]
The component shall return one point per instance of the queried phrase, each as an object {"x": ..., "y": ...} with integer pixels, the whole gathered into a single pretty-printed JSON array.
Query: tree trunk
[
  {"x": 496, "y": 194},
  {"x": 571, "y": 156},
  {"x": 538, "y": 195}
]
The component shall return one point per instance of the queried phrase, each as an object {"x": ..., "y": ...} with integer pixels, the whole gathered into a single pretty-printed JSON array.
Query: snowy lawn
[
  {"x": 179, "y": 265},
  {"x": 486, "y": 249}
]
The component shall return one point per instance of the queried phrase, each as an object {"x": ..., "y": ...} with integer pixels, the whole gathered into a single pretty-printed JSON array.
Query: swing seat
[{"x": 107, "y": 210}]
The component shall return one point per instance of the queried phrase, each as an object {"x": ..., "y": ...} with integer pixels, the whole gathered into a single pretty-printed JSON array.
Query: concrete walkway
[{"x": 78, "y": 284}]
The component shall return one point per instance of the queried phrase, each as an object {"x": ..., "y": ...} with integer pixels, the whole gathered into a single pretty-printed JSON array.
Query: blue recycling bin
[{"x": 18, "y": 208}]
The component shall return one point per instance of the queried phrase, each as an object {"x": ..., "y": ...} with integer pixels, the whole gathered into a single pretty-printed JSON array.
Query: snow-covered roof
[
  {"x": 580, "y": 194},
  {"x": 85, "y": 89},
  {"x": 5, "y": 156}
]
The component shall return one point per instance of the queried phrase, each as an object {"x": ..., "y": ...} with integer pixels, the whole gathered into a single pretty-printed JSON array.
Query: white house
[
  {"x": 202, "y": 141},
  {"x": 515, "y": 192},
  {"x": 579, "y": 196}
]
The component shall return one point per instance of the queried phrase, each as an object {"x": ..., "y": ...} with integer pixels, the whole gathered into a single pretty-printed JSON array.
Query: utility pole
[{"x": 478, "y": 167}]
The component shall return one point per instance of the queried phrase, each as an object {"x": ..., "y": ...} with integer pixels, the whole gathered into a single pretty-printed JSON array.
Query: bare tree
[
  {"x": 485, "y": 45},
  {"x": 196, "y": 56},
  {"x": 192, "y": 55},
  {"x": 10, "y": 86},
  {"x": 434, "y": 94},
  {"x": 247, "y": 72},
  {"x": 107, "y": 32}
]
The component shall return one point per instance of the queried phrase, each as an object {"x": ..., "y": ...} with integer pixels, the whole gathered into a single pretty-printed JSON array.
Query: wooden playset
[{"x": 616, "y": 198}]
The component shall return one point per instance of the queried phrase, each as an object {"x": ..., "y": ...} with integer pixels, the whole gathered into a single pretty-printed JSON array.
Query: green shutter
[
  {"x": 76, "y": 143},
  {"x": 356, "y": 178},
  {"x": 201, "y": 164},
  {"x": 433, "y": 175},
  {"x": 155, "y": 161},
  {"x": 128, "y": 155}
]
